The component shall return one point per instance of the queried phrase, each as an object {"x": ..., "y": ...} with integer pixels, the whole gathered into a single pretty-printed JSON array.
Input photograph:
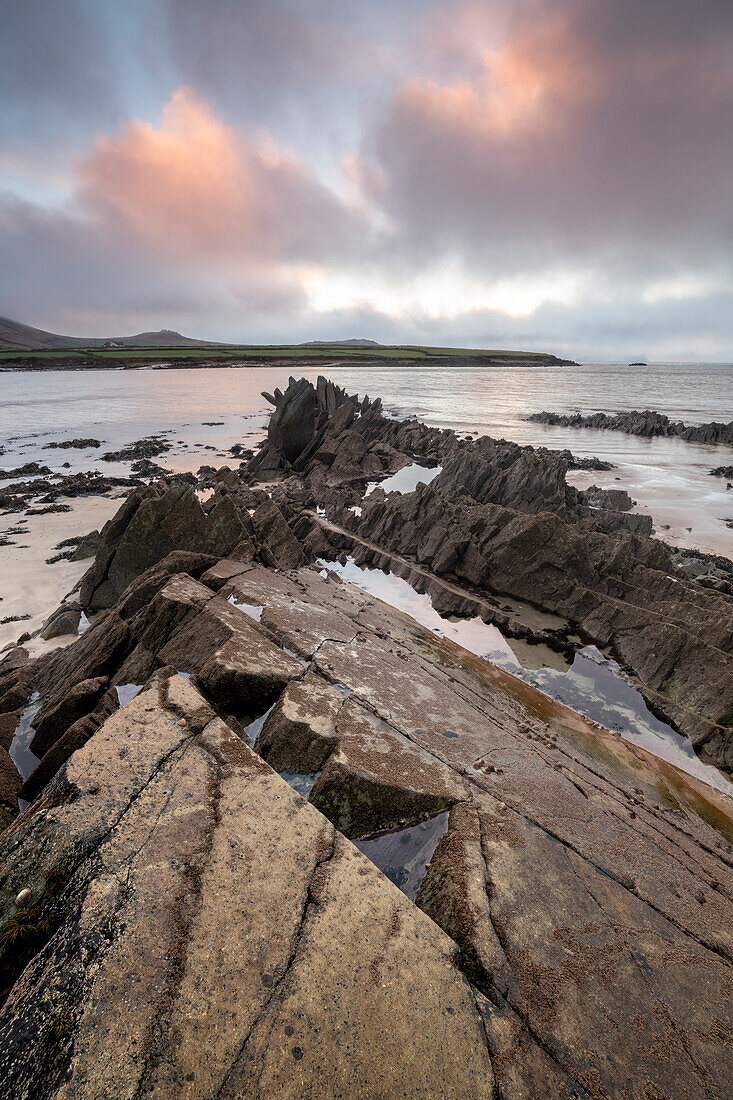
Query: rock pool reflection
[
  {"x": 593, "y": 685},
  {"x": 403, "y": 855},
  {"x": 405, "y": 480}
]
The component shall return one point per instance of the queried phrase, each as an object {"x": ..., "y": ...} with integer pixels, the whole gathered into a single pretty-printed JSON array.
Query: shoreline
[
  {"x": 255, "y": 789},
  {"x": 28, "y": 585}
]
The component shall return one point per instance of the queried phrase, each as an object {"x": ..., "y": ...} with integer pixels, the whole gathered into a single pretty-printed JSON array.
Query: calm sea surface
[{"x": 668, "y": 478}]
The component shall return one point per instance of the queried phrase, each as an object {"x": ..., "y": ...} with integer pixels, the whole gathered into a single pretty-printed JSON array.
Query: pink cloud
[
  {"x": 194, "y": 189},
  {"x": 576, "y": 128}
]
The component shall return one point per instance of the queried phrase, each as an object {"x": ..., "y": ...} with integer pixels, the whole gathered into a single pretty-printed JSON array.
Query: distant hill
[
  {"x": 26, "y": 348},
  {"x": 15, "y": 336},
  {"x": 340, "y": 344}
]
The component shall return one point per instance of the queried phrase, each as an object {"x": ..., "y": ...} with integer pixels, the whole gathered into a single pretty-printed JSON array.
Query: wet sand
[{"x": 30, "y": 587}]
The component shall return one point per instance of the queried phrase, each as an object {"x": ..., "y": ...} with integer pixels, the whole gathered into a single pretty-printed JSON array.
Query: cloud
[
  {"x": 56, "y": 69},
  {"x": 183, "y": 211},
  {"x": 194, "y": 189},
  {"x": 462, "y": 171},
  {"x": 591, "y": 130}
]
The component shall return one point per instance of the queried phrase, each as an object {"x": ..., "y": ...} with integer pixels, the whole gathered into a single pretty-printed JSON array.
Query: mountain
[{"x": 15, "y": 336}]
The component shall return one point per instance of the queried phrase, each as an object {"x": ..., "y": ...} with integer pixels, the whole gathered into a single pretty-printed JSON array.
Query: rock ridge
[{"x": 646, "y": 423}]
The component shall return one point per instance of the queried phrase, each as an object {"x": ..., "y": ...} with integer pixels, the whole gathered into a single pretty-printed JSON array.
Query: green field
[{"x": 197, "y": 356}]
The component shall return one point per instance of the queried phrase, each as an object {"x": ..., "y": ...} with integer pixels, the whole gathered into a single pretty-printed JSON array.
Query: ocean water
[{"x": 668, "y": 478}]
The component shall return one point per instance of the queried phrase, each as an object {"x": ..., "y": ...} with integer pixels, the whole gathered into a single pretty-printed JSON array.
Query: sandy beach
[{"x": 28, "y": 585}]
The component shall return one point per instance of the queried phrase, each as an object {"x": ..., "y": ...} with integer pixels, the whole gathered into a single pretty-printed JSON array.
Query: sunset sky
[{"x": 545, "y": 174}]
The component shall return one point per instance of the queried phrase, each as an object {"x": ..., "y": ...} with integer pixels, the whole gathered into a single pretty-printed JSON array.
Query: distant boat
[{"x": 638, "y": 364}]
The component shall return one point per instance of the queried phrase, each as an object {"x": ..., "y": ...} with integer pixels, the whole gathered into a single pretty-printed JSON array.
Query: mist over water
[{"x": 669, "y": 478}]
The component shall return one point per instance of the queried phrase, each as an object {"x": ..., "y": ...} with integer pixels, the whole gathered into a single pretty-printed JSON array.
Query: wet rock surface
[
  {"x": 73, "y": 444},
  {"x": 190, "y": 925},
  {"x": 646, "y": 423},
  {"x": 570, "y": 934},
  {"x": 139, "y": 450},
  {"x": 500, "y": 519}
]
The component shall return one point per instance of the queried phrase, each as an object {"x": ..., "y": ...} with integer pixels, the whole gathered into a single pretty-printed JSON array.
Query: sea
[{"x": 204, "y": 411}]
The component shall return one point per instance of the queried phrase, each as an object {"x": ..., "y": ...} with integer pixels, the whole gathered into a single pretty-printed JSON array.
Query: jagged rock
[
  {"x": 646, "y": 423},
  {"x": 15, "y": 658},
  {"x": 621, "y": 591},
  {"x": 63, "y": 747},
  {"x": 505, "y": 473},
  {"x": 278, "y": 545},
  {"x": 575, "y": 462},
  {"x": 291, "y": 425},
  {"x": 140, "y": 593},
  {"x": 609, "y": 851},
  {"x": 64, "y": 620},
  {"x": 248, "y": 671},
  {"x": 56, "y": 715},
  {"x": 152, "y": 523},
  {"x": 76, "y": 444},
  {"x": 300, "y": 731},
  {"x": 77, "y": 548},
  {"x": 29, "y": 469},
  {"x": 618, "y": 500},
  {"x": 180, "y": 601},
  {"x": 15, "y": 685},
  {"x": 10, "y": 784},
  {"x": 8, "y": 725},
  {"x": 572, "y": 867},
  {"x": 140, "y": 449},
  {"x": 97, "y": 653},
  {"x": 137, "y": 667},
  {"x": 377, "y": 779},
  {"x": 195, "y": 631}
]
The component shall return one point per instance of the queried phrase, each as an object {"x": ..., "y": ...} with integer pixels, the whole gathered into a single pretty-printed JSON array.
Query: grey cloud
[
  {"x": 57, "y": 72},
  {"x": 620, "y": 329},
  {"x": 629, "y": 161},
  {"x": 68, "y": 273}
]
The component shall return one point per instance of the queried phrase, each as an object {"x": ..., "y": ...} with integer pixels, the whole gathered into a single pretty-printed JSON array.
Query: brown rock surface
[
  {"x": 502, "y": 519},
  {"x": 10, "y": 784},
  {"x": 195, "y": 920},
  {"x": 193, "y": 927},
  {"x": 585, "y": 886}
]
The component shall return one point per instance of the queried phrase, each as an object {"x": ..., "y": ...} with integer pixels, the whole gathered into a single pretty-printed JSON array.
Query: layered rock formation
[
  {"x": 646, "y": 423},
  {"x": 194, "y": 927},
  {"x": 501, "y": 519},
  {"x": 243, "y": 755}
]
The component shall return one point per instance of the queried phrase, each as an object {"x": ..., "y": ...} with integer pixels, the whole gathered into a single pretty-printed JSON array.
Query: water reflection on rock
[
  {"x": 593, "y": 685},
  {"x": 403, "y": 855}
]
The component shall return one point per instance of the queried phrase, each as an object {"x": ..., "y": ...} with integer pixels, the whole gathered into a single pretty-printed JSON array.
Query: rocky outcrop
[
  {"x": 175, "y": 920},
  {"x": 195, "y": 945},
  {"x": 64, "y": 620},
  {"x": 73, "y": 444},
  {"x": 621, "y": 592},
  {"x": 647, "y": 423},
  {"x": 10, "y": 784},
  {"x": 182, "y": 910},
  {"x": 502, "y": 519},
  {"x": 153, "y": 522},
  {"x": 140, "y": 450}
]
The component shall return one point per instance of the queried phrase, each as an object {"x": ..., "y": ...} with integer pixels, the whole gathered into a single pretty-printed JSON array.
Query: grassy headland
[{"x": 129, "y": 358}]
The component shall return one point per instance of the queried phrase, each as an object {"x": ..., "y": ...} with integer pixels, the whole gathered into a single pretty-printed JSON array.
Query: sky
[{"x": 542, "y": 174}]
